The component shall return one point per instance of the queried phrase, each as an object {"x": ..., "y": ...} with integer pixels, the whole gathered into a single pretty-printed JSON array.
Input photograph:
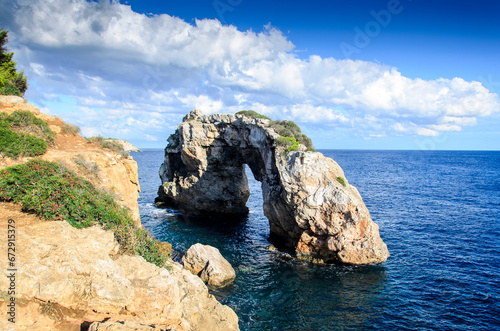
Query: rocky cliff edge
[{"x": 71, "y": 279}]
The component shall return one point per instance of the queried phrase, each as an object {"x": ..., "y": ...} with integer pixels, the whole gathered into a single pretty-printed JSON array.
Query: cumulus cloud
[{"x": 146, "y": 71}]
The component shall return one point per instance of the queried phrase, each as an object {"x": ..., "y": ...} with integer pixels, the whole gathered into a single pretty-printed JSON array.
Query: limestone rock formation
[
  {"x": 66, "y": 273},
  {"x": 311, "y": 207},
  {"x": 207, "y": 262}
]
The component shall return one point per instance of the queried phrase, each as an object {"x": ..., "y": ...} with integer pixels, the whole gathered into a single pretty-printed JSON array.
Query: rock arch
[{"x": 309, "y": 209}]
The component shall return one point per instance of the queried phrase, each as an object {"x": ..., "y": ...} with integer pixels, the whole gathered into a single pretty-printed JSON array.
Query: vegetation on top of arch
[{"x": 286, "y": 129}]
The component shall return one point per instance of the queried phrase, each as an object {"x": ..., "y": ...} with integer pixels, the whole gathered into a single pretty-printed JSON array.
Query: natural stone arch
[{"x": 308, "y": 208}]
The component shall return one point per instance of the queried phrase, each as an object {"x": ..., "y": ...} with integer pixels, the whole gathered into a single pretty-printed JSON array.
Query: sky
[{"x": 356, "y": 74}]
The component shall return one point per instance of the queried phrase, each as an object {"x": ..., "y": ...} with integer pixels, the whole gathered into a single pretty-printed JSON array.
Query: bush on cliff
[
  {"x": 55, "y": 193},
  {"x": 252, "y": 114},
  {"x": 290, "y": 143},
  {"x": 108, "y": 143},
  {"x": 287, "y": 129},
  {"x": 71, "y": 129},
  {"x": 23, "y": 134}
]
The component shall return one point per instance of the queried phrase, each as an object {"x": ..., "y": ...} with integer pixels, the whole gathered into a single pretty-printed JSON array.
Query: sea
[{"x": 438, "y": 213}]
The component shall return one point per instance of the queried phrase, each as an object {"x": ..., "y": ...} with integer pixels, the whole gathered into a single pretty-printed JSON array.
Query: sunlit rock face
[{"x": 311, "y": 207}]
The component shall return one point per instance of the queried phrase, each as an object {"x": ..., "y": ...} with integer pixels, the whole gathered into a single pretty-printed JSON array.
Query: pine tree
[{"x": 11, "y": 81}]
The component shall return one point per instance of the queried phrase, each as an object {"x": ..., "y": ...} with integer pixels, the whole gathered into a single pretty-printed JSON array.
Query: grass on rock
[
  {"x": 341, "y": 181},
  {"x": 55, "y": 193},
  {"x": 23, "y": 134}
]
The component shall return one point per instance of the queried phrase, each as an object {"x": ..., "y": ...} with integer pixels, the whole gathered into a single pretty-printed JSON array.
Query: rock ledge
[{"x": 208, "y": 263}]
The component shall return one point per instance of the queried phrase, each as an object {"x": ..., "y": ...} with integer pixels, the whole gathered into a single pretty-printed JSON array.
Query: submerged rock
[
  {"x": 208, "y": 263},
  {"x": 311, "y": 207}
]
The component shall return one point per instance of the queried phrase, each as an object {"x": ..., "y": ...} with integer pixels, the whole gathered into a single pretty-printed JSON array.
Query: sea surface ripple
[{"x": 438, "y": 213}]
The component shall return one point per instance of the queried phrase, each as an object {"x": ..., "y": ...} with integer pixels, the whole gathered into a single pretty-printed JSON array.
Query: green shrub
[
  {"x": 71, "y": 129},
  {"x": 252, "y": 114},
  {"x": 10, "y": 89},
  {"x": 55, "y": 193},
  {"x": 292, "y": 130},
  {"x": 142, "y": 244},
  {"x": 287, "y": 129},
  {"x": 27, "y": 122},
  {"x": 23, "y": 134},
  {"x": 341, "y": 181},
  {"x": 290, "y": 143},
  {"x": 16, "y": 145}
]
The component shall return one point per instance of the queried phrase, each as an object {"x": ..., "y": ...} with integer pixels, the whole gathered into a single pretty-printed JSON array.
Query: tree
[{"x": 11, "y": 81}]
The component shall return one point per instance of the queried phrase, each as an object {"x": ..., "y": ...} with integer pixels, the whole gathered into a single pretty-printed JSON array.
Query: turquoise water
[{"x": 438, "y": 213}]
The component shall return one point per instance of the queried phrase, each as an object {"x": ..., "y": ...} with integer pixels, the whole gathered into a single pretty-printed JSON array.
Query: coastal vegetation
[
  {"x": 341, "y": 181},
  {"x": 286, "y": 129},
  {"x": 23, "y": 134},
  {"x": 290, "y": 143},
  {"x": 53, "y": 192},
  {"x": 108, "y": 143},
  {"x": 71, "y": 129},
  {"x": 90, "y": 168},
  {"x": 12, "y": 82},
  {"x": 252, "y": 114}
]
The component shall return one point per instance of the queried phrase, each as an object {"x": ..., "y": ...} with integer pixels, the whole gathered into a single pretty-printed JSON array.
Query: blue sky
[{"x": 354, "y": 74}]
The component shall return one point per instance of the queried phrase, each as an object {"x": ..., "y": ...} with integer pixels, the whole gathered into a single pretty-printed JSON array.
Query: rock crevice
[{"x": 311, "y": 207}]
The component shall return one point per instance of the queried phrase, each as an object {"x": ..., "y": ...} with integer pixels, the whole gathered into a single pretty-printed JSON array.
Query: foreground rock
[
  {"x": 208, "y": 263},
  {"x": 311, "y": 207},
  {"x": 124, "y": 326},
  {"x": 65, "y": 275}
]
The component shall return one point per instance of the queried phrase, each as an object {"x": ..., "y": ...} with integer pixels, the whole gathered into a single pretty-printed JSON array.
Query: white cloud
[
  {"x": 150, "y": 137},
  {"x": 202, "y": 102},
  {"x": 131, "y": 66},
  {"x": 427, "y": 132}
]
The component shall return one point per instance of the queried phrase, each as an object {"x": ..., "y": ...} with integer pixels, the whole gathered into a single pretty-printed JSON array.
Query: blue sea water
[{"x": 438, "y": 212}]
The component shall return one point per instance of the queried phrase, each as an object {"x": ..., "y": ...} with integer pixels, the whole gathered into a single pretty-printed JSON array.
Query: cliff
[
  {"x": 311, "y": 207},
  {"x": 103, "y": 167},
  {"x": 71, "y": 279}
]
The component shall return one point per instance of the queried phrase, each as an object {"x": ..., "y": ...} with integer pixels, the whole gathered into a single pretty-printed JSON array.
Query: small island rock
[
  {"x": 208, "y": 263},
  {"x": 311, "y": 206}
]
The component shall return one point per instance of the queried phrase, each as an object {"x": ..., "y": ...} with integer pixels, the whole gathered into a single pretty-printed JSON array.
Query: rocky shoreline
[{"x": 77, "y": 279}]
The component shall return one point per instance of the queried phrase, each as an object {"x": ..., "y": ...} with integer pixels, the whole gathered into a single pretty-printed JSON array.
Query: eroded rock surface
[
  {"x": 66, "y": 273},
  {"x": 311, "y": 206},
  {"x": 208, "y": 263},
  {"x": 126, "y": 326}
]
